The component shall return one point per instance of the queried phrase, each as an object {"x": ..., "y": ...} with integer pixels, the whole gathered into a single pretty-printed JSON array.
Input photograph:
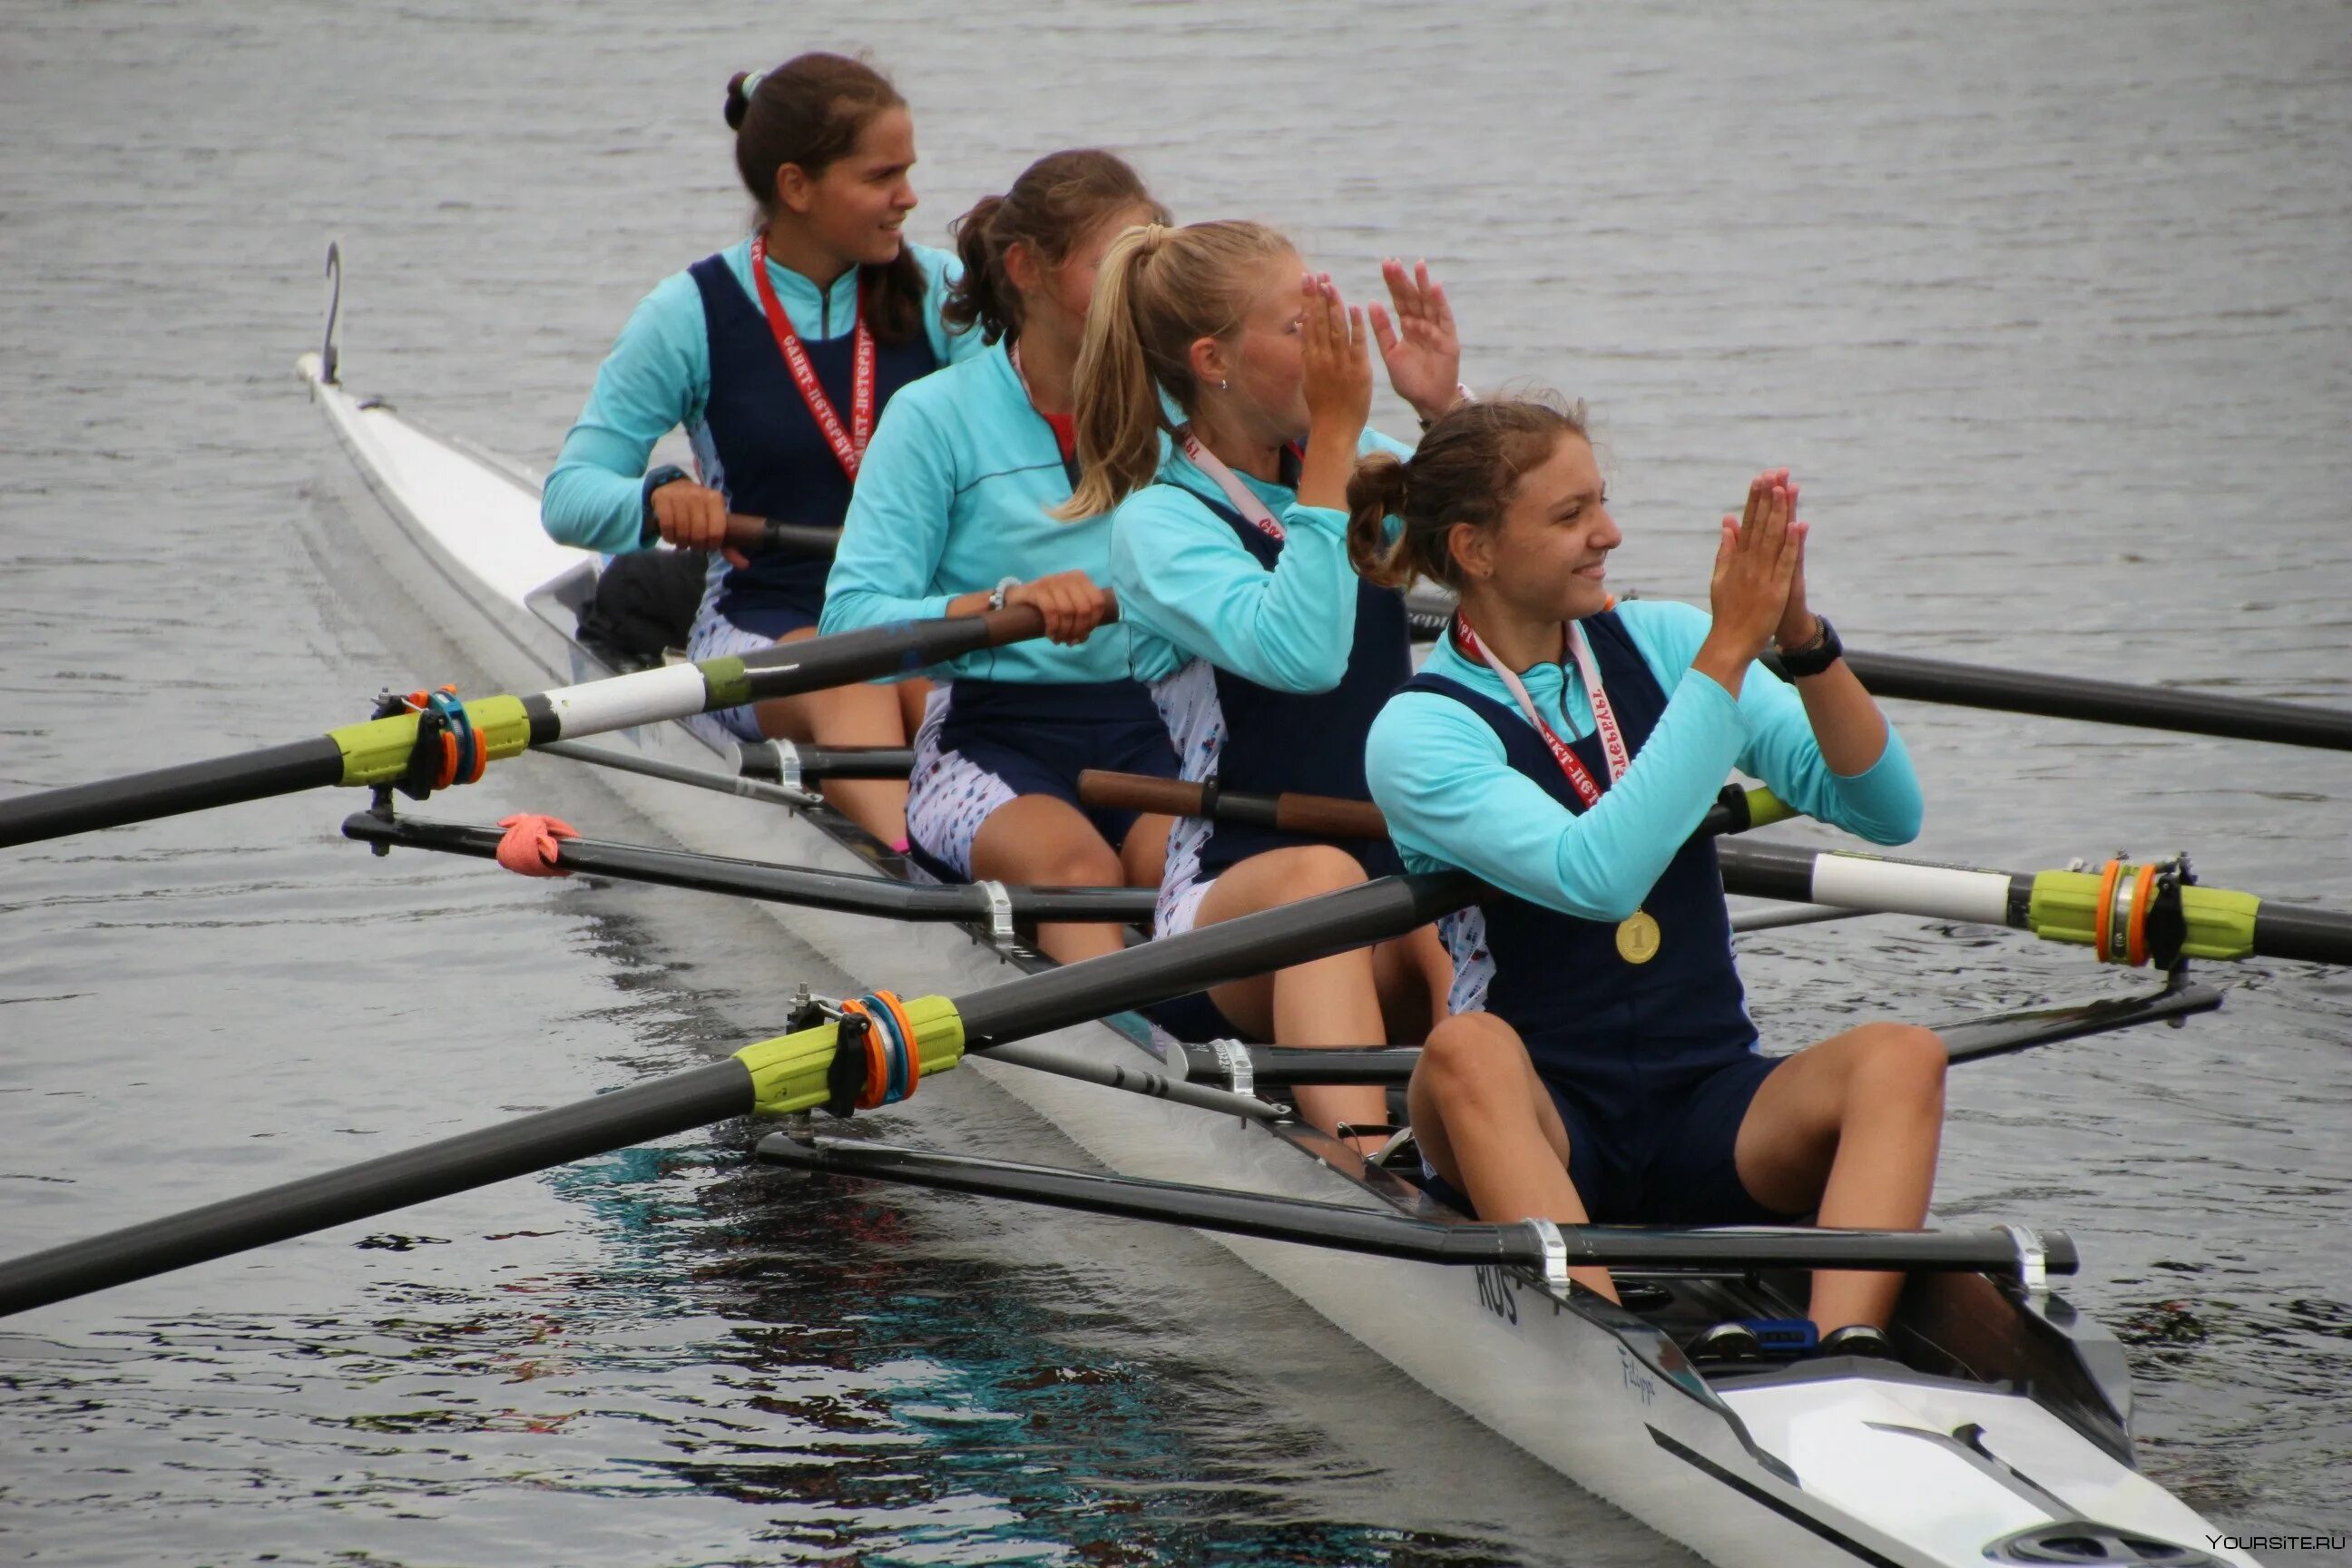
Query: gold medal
[{"x": 1637, "y": 937}]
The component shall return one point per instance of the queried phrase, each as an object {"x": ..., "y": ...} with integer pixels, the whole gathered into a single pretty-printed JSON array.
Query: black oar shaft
[
  {"x": 380, "y": 752},
  {"x": 880, "y": 895},
  {"x": 766, "y": 536},
  {"x": 2102, "y": 701},
  {"x": 795, "y": 764},
  {"x": 2289, "y": 931},
  {"x": 169, "y": 791},
  {"x": 1252, "y": 944},
  {"x": 1210, "y": 955},
  {"x": 628, "y": 1116}
]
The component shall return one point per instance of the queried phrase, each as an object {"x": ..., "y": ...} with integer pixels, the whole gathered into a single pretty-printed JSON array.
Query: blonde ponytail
[
  {"x": 1159, "y": 291},
  {"x": 1118, "y": 418}
]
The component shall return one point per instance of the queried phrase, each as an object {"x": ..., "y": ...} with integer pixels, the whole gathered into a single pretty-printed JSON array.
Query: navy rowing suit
[
  {"x": 1652, "y": 1066},
  {"x": 774, "y": 459}
]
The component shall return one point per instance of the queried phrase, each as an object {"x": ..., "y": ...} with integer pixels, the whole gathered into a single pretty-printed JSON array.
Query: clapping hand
[
  {"x": 1755, "y": 564},
  {"x": 1337, "y": 361},
  {"x": 1421, "y": 346}
]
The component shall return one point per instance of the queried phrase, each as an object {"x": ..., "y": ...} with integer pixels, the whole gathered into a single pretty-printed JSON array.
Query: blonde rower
[{"x": 1267, "y": 657}]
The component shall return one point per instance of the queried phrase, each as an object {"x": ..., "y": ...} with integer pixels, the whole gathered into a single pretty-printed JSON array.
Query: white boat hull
[{"x": 1859, "y": 1467}]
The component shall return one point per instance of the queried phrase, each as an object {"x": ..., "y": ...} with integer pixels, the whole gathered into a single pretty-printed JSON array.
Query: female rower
[
  {"x": 1266, "y": 656},
  {"x": 775, "y": 354},
  {"x": 1600, "y": 1064},
  {"x": 952, "y": 517}
]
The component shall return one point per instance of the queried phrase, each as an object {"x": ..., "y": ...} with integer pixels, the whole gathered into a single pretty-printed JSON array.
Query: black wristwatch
[
  {"x": 666, "y": 474},
  {"x": 1816, "y": 656}
]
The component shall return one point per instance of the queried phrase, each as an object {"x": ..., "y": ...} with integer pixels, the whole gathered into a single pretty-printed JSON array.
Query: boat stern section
[{"x": 1962, "y": 1472}]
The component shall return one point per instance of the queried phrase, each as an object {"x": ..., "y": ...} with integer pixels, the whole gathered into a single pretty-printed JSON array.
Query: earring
[{"x": 1224, "y": 386}]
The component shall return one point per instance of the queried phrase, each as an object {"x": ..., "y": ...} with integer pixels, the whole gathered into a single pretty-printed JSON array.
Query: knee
[
  {"x": 1904, "y": 1062},
  {"x": 1081, "y": 866},
  {"x": 1319, "y": 868},
  {"x": 1471, "y": 1056}
]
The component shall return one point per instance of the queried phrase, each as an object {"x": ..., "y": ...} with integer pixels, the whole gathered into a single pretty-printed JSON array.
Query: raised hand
[
  {"x": 1799, "y": 625},
  {"x": 1755, "y": 562},
  {"x": 1421, "y": 346},
  {"x": 1337, "y": 354}
]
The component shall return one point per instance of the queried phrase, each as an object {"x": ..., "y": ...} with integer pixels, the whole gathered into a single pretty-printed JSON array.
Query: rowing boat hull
[{"x": 1814, "y": 1471}]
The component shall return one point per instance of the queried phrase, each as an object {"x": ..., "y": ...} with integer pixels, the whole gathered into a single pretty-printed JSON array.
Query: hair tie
[{"x": 751, "y": 80}]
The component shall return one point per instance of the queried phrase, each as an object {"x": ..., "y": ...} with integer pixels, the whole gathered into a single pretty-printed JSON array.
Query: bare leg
[
  {"x": 912, "y": 696},
  {"x": 1144, "y": 854},
  {"x": 1853, "y": 1123},
  {"x": 1333, "y": 1000},
  {"x": 861, "y": 715},
  {"x": 1415, "y": 975},
  {"x": 1485, "y": 1122},
  {"x": 1037, "y": 838}
]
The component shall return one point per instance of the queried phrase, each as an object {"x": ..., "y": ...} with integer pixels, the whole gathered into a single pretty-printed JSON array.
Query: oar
[
  {"x": 1548, "y": 1249},
  {"x": 2056, "y": 696},
  {"x": 789, "y": 1072},
  {"x": 1736, "y": 810},
  {"x": 2131, "y": 912},
  {"x": 384, "y": 750},
  {"x": 766, "y": 536},
  {"x": 2100, "y": 702},
  {"x": 793, "y": 763},
  {"x": 888, "y": 896}
]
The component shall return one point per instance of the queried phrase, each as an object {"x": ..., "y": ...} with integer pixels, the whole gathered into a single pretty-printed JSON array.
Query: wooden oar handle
[
  {"x": 1327, "y": 816},
  {"x": 1320, "y": 816},
  {"x": 765, "y": 536}
]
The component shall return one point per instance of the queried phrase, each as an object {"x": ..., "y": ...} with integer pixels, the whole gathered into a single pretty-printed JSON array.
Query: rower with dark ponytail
[
  {"x": 954, "y": 511},
  {"x": 776, "y": 356}
]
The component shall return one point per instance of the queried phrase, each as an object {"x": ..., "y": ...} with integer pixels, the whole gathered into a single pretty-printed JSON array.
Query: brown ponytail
[
  {"x": 1055, "y": 203},
  {"x": 1159, "y": 290},
  {"x": 1467, "y": 467},
  {"x": 810, "y": 112}
]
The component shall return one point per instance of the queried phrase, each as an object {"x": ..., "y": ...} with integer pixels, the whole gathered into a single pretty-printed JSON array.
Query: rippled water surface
[{"x": 2047, "y": 306}]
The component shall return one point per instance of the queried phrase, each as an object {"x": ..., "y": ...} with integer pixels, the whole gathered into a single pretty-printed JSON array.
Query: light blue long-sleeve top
[
  {"x": 657, "y": 379},
  {"x": 1188, "y": 589},
  {"x": 1452, "y": 798},
  {"x": 952, "y": 499}
]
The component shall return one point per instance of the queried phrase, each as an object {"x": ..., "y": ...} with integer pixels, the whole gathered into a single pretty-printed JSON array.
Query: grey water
[{"x": 2047, "y": 307}]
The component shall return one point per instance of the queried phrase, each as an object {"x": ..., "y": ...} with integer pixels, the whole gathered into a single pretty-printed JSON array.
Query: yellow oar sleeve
[
  {"x": 377, "y": 752},
  {"x": 791, "y": 1072}
]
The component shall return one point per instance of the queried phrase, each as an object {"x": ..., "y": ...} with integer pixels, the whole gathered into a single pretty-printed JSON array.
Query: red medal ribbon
[
  {"x": 1605, "y": 718},
  {"x": 849, "y": 446},
  {"x": 1244, "y": 498}
]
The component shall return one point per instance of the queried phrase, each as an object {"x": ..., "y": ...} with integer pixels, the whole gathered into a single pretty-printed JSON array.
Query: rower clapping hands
[{"x": 1751, "y": 588}]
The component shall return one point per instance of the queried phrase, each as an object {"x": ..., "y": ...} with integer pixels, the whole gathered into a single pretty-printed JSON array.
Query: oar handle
[
  {"x": 766, "y": 536},
  {"x": 1736, "y": 810},
  {"x": 1320, "y": 815}
]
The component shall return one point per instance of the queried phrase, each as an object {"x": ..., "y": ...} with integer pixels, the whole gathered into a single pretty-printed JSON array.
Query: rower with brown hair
[
  {"x": 952, "y": 515},
  {"x": 1600, "y": 1064},
  {"x": 776, "y": 356}
]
